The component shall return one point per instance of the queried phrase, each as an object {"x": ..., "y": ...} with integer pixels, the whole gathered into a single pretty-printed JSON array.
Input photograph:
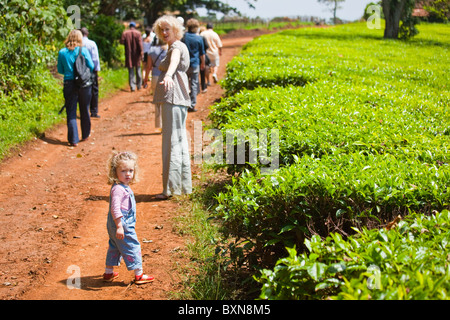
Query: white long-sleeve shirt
[{"x": 93, "y": 50}]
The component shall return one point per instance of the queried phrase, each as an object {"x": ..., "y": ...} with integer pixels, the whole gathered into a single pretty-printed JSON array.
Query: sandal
[
  {"x": 162, "y": 196},
  {"x": 143, "y": 278},
  {"x": 110, "y": 276}
]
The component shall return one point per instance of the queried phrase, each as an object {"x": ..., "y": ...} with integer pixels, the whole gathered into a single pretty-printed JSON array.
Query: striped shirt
[
  {"x": 93, "y": 50},
  {"x": 120, "y": 200}
]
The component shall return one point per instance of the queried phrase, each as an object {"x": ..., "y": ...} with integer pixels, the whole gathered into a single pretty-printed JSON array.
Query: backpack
[{"x": 82, "y": 73}]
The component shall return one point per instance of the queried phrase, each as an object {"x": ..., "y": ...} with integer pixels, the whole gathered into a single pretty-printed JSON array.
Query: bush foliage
[
  {"x": 33, "y": 33},
  {"x": 364, "y": 136},
  {"x": 406, "y": 262}
]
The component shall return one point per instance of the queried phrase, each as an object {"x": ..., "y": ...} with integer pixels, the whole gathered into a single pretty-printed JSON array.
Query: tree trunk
[
  {"x": 108, "y": 7},
  {"x": 154, "y": 9},
  {"x": 151, "y": 17},
  {"x": 392, "y": 10},
  {"x": 334, "y": 11}
]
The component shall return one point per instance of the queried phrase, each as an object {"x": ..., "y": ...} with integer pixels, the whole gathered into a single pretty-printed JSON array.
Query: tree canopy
[
  {"x": 438, "y": 9},
  {"x": 30, "y": 31},
  {"x": 152, "y": 9},
  {"x": 100, "y": 15}
]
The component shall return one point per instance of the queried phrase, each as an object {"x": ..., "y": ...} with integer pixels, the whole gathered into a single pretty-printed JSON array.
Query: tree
[
  {"x": 334, "y": 6},
  {"x": 100, "y": 15},
  {"x": 106, "y": 32},
  {"x": 368, "y": 13},
  {"x": 155, "y": 8},
  {"x": 439, "y": 9},
  {"x": 100, "y": 18},
  {"x": 396, "y": 11},
  {"x": 31, "y": 34}
]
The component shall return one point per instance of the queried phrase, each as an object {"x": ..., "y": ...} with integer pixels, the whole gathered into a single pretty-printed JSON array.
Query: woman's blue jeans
[{"x": 73, "y": 96}]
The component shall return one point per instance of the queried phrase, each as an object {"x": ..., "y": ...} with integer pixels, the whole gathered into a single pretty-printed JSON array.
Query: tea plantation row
[{"x": 364, "y": 135}]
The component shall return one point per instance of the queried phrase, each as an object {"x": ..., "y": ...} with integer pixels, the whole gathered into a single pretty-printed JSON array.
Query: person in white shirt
[
  {"x": 93, "y": 50},
  {"x": 214, "y": 50}
]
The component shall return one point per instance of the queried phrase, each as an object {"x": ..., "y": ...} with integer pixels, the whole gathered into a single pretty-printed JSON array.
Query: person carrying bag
[{"x": 77, "y": 85}]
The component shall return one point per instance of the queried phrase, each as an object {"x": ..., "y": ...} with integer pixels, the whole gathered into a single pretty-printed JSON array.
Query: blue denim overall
[{"x": 129, "y": 248}]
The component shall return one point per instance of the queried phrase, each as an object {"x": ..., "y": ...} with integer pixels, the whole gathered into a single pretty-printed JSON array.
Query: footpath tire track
[{"x": 54, "y": 201}]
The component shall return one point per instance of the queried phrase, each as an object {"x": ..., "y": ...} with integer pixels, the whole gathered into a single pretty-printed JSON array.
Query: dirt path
[{"x": 54, "y": 200}]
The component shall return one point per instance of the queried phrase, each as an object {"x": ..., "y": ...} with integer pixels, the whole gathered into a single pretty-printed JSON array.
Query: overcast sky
[{"x": 351, "y": 9}]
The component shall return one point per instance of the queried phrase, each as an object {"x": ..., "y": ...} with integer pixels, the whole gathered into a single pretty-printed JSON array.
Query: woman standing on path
[
  {"x": 172, "y": 91},
  {"x": 72, "y": 93}
]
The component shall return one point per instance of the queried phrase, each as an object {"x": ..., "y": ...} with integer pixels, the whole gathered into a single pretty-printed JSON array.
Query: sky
[{"x": 351, "y": 9}]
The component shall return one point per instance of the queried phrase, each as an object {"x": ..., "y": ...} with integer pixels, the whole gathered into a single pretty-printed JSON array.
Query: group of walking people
[
  {"x": 175, "y": 59},
  {"x": 204, "y": 46}
]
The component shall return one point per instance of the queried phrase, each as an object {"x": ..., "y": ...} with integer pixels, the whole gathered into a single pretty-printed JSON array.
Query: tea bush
[
  {"x": 406, "y": 262},
  {"x": 325, "y": 119},
  {"x": 364, "y": 135},
  {"x": 351, "y": 53},
  {"x": 331, "y": 194}
]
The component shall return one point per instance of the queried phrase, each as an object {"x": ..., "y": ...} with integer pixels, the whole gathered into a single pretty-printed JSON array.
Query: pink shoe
[
  {"x": 143, "y": 278},
  {"x": 110, "y": 276}
]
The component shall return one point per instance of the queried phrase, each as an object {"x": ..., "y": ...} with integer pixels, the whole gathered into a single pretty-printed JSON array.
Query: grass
[
  {"x": 26, "y": 116},
  {"x": 204, "y": 277},
  {"x": 112, "y": 80}
]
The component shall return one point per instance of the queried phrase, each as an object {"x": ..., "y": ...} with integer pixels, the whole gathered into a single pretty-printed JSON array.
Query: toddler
[{"x": 123, "y": 241}]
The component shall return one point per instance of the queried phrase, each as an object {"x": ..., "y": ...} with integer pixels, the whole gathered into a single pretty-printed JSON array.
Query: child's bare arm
[{"x": 119, "y": 232}]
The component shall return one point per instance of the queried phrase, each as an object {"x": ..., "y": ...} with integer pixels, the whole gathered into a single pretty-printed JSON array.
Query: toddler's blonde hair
[{"x": 115, "y": 160}]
